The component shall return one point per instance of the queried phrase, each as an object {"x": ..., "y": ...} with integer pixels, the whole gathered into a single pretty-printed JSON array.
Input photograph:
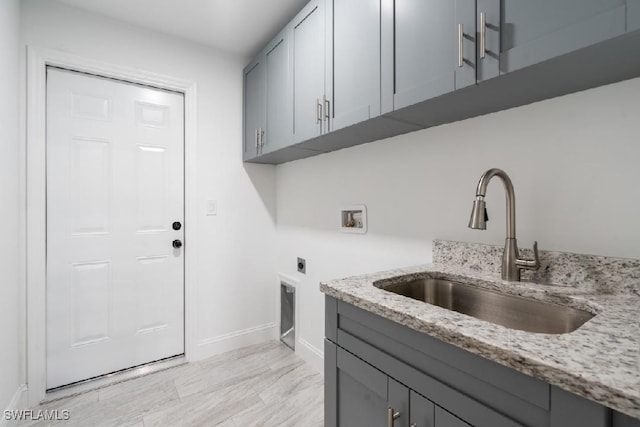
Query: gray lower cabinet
[
  {"x": 381, "y": 373},
  {"x": 254, "y": 108},
  {"x": 353, "y": 61},
  {"x": 368, "y": 397},
  {"x": 534, "y": 31},
  {"x": 633, "y": 15}
]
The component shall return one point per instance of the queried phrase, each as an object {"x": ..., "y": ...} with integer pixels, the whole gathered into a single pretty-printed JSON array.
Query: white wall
[
  {"x": 9, "y": 202},
  {"x": 574, "y": 162},
  {"x": 234, "y": 267}
]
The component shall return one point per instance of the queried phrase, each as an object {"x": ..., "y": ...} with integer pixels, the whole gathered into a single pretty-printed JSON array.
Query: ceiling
[{"x": 238, "y": 26}]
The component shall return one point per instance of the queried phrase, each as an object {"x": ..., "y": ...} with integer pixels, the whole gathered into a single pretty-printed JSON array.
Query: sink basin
[{"x": 507, "y": 310}]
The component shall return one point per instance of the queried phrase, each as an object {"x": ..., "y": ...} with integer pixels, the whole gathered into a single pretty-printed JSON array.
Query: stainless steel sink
[{"x": 507, "y": 310}]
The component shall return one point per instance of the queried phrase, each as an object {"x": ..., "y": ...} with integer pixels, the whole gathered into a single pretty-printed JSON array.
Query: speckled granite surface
[
  {"x": 599, "y": 361},
  {"x": 592, "y": 273}
]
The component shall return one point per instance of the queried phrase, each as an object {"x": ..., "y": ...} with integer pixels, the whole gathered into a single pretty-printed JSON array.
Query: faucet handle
[{"x": 528, "y": 264}]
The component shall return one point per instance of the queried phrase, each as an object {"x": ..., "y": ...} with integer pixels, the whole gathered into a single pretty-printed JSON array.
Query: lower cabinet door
[
  {"x": 422, "y": 411},
  {"x": 362, "y": 393},
  {"x": 445, "y": 419}
]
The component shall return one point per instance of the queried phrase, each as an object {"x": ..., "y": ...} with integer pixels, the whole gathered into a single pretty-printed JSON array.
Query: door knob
[{"x": 177, "y": 244}]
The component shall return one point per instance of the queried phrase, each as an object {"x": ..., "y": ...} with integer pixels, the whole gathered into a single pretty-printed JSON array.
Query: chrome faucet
[{"x": 511, "y": 263}]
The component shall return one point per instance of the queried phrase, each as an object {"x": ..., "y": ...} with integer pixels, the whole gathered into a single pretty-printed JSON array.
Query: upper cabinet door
[
  {"x": 465, "y": 45},
  {"x": 428, "y": 56},
  {"x": 308, "y": 46},
  {"x": 254, "y": 107},
  {"x": 279, "y": 118},
  {"x": 353, "y": 61},
  {"x": 534, "y": 31},
  {"x": 488, "y": 39},
  {"x": 424, "y": 44},
  {"x": 633, "y": 15}
]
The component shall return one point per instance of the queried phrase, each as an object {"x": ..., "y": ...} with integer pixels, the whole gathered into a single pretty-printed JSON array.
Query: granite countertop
[{"x": 599, "y": 361}]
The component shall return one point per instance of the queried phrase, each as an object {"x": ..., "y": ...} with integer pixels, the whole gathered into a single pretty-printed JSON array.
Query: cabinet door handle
[
  {"x": 483, "y": 35},
  {"x": 392, "y": 416},
  {"x": 460, "y": 46},
  {"x": 257, "y": 140},
  {"x": 326, "y": 108},
  {"x": 318, "y": 111},
  {"x": 261, "y": 139}
]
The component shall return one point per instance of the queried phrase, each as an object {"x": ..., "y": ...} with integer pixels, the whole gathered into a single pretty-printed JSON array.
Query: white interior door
[{"x": 115, "y": 184}]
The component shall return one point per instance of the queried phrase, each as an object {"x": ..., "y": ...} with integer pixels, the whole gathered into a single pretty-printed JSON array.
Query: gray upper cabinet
[
  {"x": 424, "y": 44},
  {"x": 465, "y": 50},
  {"x": 633, "y": 15},
  {"x": 254, "y": 107},
  {"x": 432, "y": 49},
  {"x": 488, "y": 39},
  {"x": 279, "y": 122},
  {"x": 353, "y": 61},
  {"x": 345, "y": 72},
  {"x": 534, "y": 31},
  {"x": 308, "y": 47}
]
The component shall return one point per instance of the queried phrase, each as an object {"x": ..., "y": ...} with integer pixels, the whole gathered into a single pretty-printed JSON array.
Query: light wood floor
[{"x": 261, "y": 385}]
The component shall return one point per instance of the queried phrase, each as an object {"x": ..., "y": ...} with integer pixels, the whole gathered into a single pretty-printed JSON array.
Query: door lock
[{"x": 177, "y": 226}]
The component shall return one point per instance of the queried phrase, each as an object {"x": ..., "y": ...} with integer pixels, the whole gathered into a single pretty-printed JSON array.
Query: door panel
[
  {"x": 465, "y": 15},
  {"x": 398, "y": 402},
  {"x": 489, "y": 65},
  {"x": 279, "y": 132},
  {"x": 633, "y": 15},
  {"x": 445, "y": 419},
  {"x": 254, "y": 106},
  {"x": 424, "y": 40},
  {"x": 308, "y": 70},
  {"x": 114, "y": 186},
  {"x": 354, "y": 63},
  {"x": 362, "y": 392},
  {"x": 533, "y": 31},
  {"x": 422, "y": 410}
]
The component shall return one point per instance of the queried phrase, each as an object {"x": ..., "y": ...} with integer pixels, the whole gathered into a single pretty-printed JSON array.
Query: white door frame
[{"x": 35, "y": 216}]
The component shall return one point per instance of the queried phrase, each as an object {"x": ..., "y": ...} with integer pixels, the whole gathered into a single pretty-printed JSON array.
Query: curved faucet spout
[
  {"x": 481, "y": 191},
  {"x": 511, "y": 263}
]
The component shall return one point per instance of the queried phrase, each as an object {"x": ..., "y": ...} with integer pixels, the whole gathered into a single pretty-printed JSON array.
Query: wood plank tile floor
[{"x": 261, "y": 385}]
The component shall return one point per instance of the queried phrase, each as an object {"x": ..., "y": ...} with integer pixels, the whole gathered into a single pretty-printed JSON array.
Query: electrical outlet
[{"x": 302, "y": 266}]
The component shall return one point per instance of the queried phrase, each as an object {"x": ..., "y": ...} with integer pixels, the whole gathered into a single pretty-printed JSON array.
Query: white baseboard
[
  {"x": 312, "y": 355},
  {"x": 18, "y": 401},
  {"x": 234, "y": 340}
]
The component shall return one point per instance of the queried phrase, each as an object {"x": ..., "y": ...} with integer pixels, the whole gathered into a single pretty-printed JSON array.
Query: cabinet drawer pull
[
  {"x": 392, "y": 416},
  {"x": 460, "y": 47},
  {"x": 483, "y": 35}
]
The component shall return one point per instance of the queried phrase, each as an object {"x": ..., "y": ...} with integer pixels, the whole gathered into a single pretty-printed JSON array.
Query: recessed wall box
[{"x": 353, "y": 219}]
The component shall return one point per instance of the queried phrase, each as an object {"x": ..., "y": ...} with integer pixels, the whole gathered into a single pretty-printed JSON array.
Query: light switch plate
[{"x": 212, "y": 207}]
